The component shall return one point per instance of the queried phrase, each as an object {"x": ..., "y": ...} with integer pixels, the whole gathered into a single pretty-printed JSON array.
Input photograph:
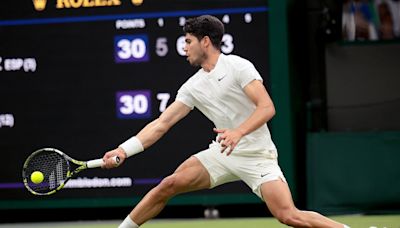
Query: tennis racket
[{"x": 56, "y": 168}]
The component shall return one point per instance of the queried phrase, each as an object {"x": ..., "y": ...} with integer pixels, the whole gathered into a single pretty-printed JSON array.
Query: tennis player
[{"x": 230, "y": 92}]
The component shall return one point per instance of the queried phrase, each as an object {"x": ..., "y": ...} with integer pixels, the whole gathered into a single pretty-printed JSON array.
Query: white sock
[
  {"x": 128, "y": 223},
  {"x": 346, "y": 226}
]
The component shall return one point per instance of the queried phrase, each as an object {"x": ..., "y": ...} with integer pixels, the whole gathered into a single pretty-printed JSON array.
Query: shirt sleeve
[
  {"x": 248, "y": 74},
  {"x": 185, "y": 97}
]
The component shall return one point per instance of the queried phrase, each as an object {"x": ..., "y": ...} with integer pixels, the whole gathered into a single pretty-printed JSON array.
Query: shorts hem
[
  {"x": 212, "y": 180},
  {"x": 257, "y": 191}
]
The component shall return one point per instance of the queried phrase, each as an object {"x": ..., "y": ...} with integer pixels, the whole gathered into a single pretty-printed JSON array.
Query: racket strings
[{"x": 54, "y": 168}]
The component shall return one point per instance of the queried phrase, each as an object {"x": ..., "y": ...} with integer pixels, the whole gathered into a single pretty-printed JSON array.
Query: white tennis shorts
[{"x": 252, "y": 167}]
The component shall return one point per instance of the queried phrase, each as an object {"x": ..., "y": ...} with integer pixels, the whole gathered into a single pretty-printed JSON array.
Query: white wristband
[{"x": 132, "y": 146}]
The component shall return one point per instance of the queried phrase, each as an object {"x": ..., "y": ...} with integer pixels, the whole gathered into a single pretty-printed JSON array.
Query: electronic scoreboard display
[{"x": 83, "y": 76}]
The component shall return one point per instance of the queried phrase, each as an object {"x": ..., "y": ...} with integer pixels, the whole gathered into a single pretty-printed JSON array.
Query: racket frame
[{"x": 81, "y": 166}]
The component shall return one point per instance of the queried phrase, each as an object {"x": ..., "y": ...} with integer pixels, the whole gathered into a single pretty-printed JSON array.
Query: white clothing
[
  {"x": 128, "y": 223},
  {"x": 253, "y": 169},
  {"x": 219, "y": 95}
]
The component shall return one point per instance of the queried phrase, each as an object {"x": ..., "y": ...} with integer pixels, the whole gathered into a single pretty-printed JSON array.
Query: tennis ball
[{"x": 37, "y": 177}]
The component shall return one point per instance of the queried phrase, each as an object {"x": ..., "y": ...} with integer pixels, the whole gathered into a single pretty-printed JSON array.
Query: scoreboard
[{"x": 85, "y": 75}]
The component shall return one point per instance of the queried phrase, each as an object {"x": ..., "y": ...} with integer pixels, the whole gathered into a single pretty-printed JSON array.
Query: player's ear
[{"x": 206, "y": 41}]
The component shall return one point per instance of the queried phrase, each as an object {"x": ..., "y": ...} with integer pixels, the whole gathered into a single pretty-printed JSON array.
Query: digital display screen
[
  {"x": 83, "y": 76},
  {"x": 370, "y": 20}
]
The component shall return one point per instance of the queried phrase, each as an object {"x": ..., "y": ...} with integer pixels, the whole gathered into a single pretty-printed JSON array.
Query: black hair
[{"x": 205, "y": 25}]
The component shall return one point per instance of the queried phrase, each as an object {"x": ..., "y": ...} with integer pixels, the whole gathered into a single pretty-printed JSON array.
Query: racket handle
[{"x": 99, "y": 162}]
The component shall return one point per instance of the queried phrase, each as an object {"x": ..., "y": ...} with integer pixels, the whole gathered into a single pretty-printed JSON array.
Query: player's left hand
[{"x": 228, "y": 139}]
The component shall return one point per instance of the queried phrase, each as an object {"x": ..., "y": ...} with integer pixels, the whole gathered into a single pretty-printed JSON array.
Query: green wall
[
  {"x": 282, "y": 124},
  {"x": 353, "y": 172}
]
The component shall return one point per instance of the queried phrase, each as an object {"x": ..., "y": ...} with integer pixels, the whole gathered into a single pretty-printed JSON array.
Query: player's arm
[
  {"x": 264, "y": 111},
  {"x": 150, "y": 134},
  {"x": 153, "y": 131}
]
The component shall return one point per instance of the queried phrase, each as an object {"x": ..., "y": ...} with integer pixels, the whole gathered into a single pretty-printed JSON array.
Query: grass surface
[
  {"x": 384, "y": 221},
  {"x": 353, "y": 221}
]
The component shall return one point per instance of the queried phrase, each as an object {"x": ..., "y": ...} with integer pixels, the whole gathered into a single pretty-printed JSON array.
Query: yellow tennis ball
[{"x": 37, "y": 177}]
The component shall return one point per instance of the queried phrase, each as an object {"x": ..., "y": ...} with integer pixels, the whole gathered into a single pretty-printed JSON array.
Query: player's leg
[
  {"x": 279, "y": 200},
  {"x": 189, "y": 176}
]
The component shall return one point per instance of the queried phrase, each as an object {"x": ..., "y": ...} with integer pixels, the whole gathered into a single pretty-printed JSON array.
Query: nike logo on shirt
[{"x": 219, "y": 79}]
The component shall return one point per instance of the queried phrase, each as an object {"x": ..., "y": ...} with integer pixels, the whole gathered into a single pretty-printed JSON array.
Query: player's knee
[
  {"x": 167, "y": 187},
  {"x": 289, "y": 217}
]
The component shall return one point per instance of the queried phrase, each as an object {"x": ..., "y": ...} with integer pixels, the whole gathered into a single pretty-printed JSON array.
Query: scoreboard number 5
[{"x": 161, "y": 46}]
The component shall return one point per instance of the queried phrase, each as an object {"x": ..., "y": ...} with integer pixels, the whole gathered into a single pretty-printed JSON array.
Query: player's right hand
[
  {"x": 228, "y": 138},
  {"x": 109, "y": 162}
]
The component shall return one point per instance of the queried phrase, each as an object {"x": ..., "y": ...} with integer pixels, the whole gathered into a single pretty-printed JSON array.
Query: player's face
[{"x": 194, "y": 51}]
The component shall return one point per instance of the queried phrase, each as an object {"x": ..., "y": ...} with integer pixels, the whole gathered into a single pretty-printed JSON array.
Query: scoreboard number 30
[{"x": 136, "y": 104}]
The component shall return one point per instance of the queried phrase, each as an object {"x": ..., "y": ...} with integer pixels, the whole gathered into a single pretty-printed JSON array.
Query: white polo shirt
[{"x": 219, "y": 95}]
